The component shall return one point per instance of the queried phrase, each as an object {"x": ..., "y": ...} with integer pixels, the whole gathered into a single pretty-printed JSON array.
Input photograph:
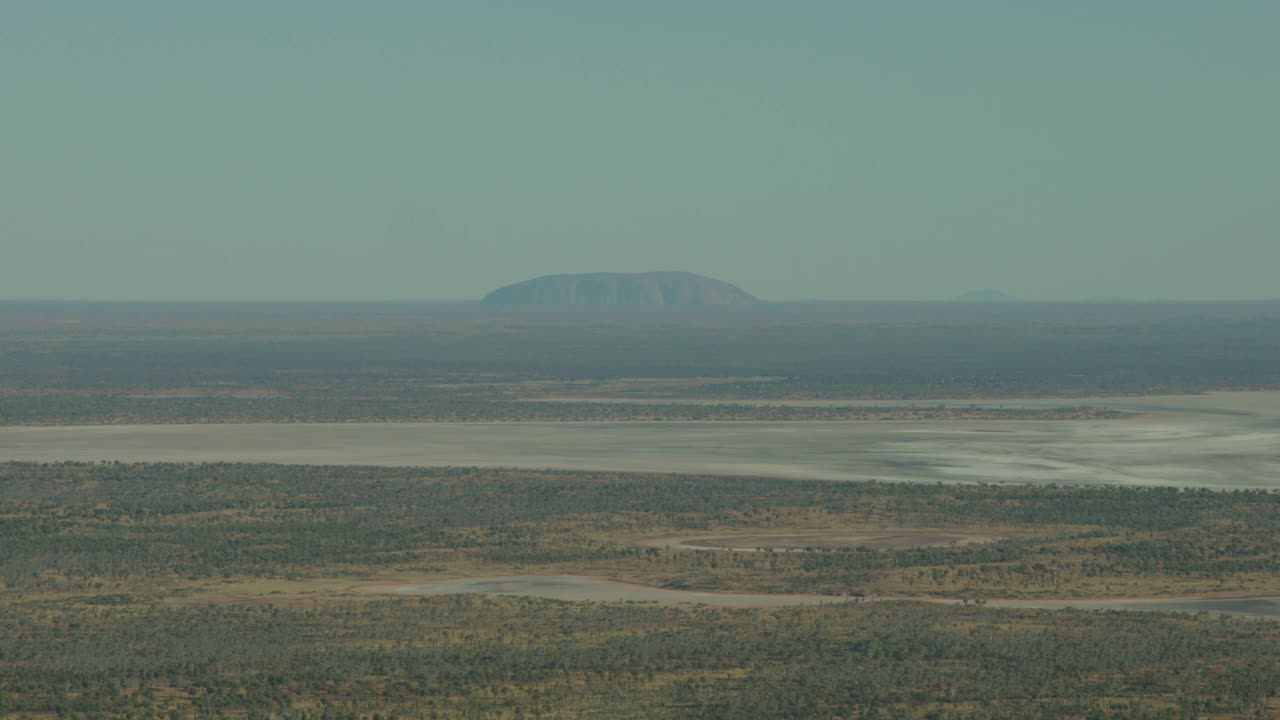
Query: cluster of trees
[
  {"x": 40, "y": 409},
  {"x": 466, "y": 656},
  {"x": 79, "y": 526},
  {"x": 99, "y": 616},
  {"x": 94, "y": 409},
  {"x": 459, "y": 361}
]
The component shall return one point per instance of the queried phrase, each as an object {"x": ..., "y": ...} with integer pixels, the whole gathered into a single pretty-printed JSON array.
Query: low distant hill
[
  {"x": 621, "y": 289},
  {"x": 987, "y": 296}
]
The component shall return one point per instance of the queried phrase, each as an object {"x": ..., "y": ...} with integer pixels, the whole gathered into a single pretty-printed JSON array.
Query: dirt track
[
  {"x": 824, "y": 540},
  {"x": 598, "y": 589}
]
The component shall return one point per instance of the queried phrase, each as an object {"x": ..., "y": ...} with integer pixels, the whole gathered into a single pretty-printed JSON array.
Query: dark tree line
[{"x": 511, "y": 657}]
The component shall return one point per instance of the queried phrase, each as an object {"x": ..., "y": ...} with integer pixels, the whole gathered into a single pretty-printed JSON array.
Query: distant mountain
[
  {"x": 621, "y": 289},
  {"x": 987, "y": 296}
]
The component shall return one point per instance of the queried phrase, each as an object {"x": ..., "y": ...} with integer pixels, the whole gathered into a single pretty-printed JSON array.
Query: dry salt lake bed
[{"x": 1216, "y": 440}]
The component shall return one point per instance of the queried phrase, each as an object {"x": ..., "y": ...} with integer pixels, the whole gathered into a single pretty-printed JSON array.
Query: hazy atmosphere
[
  {"x": 333, "y": 150},
  {"x": 677, "y": 360}
]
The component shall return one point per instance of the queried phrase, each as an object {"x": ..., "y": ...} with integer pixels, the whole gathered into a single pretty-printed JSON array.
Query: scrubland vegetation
[
  {"x": 71, "y": 527},
  {"x": 225, "y": 590},
  {"x": 470, "y": 657},
  {"x": 214, "y": 590},
  {"x": 79, "y": 363},
  {"x": 45, "y": 409}
]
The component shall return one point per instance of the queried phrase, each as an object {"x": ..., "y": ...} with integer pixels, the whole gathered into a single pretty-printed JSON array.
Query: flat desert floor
[{"x": 1216, "y": 440}]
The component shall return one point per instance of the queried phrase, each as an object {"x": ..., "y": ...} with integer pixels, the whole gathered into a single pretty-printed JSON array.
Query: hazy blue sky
[{"x": 833, "y": 149}]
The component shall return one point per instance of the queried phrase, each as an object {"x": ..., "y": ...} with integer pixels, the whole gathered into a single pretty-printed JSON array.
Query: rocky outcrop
[{"x": 620, "y": 289}]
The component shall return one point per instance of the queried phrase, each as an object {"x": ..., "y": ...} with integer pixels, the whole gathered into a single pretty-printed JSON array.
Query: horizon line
[{"x": 957, "y": 300}]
